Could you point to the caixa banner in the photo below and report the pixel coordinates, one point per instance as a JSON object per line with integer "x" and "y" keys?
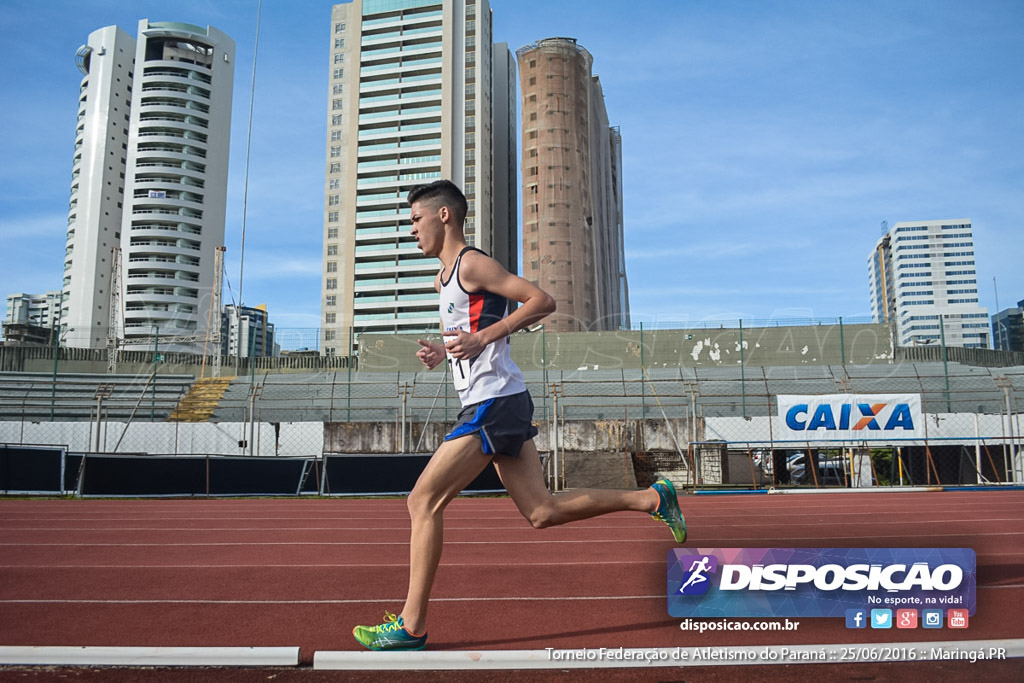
{"x": 817, "y": 582}
{"x": 860, "y": 417}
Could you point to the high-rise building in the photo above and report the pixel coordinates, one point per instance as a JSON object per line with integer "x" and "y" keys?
{"x": 924, "y": 284}
{"x": 150, "y": 178}
{"x": 33, "y": 309}
{"x": 572, "y": 189}
{"x": 411, "y": 99}
{"x": 31, "y": 319}
{"x": 1008, "y": 329}
{"x": 246, "y": 331}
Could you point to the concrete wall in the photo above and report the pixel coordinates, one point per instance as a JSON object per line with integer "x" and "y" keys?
{"x": 861, "y": 344}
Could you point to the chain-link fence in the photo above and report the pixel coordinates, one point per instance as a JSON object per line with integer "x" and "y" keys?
{"x": 709, "y": 405}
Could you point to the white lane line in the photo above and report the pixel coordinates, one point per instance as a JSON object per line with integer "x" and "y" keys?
{"x": 610, "y": 658}
{"x": 344, "y": 565}
{"x": 726, "y": 542}
{"x": 353, "y": 601}
{"x": 522, "y": 526}
{"x": 744, "y": 513}
{"x": 339, "y": 601}
{"x": 149, "y": 656}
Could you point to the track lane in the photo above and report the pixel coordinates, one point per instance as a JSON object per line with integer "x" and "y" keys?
{"x": 142, "y": 572}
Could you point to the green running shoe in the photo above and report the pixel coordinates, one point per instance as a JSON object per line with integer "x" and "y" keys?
{"x": 391, "y": 635}
{"x": 668, "y": 509}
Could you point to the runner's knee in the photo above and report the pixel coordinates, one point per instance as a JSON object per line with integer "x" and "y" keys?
{"x": 420, "y": 503}
{"x": 542, "y": 516}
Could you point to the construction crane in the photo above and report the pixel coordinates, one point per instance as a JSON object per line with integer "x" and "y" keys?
{"x": 213, "y": 330}
{"x": 114, "y": 305}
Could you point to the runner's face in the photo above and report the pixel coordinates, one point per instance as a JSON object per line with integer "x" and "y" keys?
{"x": 428, "y": 227}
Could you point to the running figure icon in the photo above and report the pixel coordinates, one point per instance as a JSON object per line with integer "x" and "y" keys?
{"x": 697, "y": 571}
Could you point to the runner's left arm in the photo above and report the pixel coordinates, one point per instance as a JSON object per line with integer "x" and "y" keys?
{"x": 482, "y": 273}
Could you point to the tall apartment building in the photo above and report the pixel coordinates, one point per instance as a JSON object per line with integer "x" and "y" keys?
{"x": 33, "y": 309}
{"x": 411, "y": 98}
{"x": 1008, "y": 329}
{"x": 149, "y": 177}
{"x": 246, "y": 331}
{"x": 572, "y": 189}
{"x": 924, "y": 284}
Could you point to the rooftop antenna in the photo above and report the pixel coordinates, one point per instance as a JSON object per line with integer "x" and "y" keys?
{"x": 996, "y": 289}
{"x": 248, "y": 143}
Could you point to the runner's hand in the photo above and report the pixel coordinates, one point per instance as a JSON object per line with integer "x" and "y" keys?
{"x": 431, "y": 354}
{"x": 463, "y": 345}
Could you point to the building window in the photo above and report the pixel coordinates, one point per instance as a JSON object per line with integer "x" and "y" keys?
{"x": 339, "y": 73}
{"x": 332, "y": 249}
{"x": 335, "y": 166}
{"x": 328, "y": 335}
{"x": 337, "y": 104}
{"x": 339, "y": 27}
{"x": 339, "y": 58}
{"x": 333, "y": 200}
{"x": 336, "y": 119}
{"x": 335, "y": 152}
{"x": 335, "y": 135}
{"x": 332, "y": 266}
{"x": 335, "y": 183}
{"x": 332, "y": 283}
{"x": 339, "y": 43}
{"x": 332, "y": 217}
{"x": 332, "y": 299}
{"x": 338, "y": 88}
{"x": 332, "y": 233}
{"x": 331, "y": 318}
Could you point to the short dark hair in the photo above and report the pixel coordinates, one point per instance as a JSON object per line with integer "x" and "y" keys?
{"x": 441, "y": 193}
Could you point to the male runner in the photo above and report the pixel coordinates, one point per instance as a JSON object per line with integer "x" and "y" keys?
{"x": 495, "y": 423}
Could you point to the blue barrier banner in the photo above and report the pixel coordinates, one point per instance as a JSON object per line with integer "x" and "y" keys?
{"x": 818, "y": 582}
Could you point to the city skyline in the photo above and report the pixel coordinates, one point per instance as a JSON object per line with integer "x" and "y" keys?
{"x": 763, "y": 147}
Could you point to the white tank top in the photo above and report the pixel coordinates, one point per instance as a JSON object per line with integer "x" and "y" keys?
{"x": 492, "y": 373}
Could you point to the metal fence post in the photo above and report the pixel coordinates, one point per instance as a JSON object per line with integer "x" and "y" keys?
{"x": 643, "y": 388}
{"x": 842, "y": 342}
{"x": 743, "y": 372}
{"x": 945, "y": 365}
{"x": 156, "y": 358}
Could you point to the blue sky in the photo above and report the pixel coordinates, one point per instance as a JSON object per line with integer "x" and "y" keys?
{"x": 763, "y": 142}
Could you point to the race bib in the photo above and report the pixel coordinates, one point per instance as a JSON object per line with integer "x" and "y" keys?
{"x": 460, "y": 368}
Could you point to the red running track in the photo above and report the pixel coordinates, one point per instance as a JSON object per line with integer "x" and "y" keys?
{"x": 304, "y": 571}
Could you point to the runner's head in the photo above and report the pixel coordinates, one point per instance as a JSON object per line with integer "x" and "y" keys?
{"x": 441, "y": 193}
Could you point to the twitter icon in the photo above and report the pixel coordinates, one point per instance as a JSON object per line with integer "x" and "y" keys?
{"x": 881, "y": 618}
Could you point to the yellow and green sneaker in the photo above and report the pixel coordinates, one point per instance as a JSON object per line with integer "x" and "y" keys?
{"x": 391, "y": 635}
{"x": 668, "y": 509}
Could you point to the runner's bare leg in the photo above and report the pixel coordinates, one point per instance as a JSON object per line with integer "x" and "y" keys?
{"x": 452, "y": 468}
{"x": 523, "y": 478}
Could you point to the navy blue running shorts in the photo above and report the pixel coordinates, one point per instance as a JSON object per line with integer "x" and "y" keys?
{"x": 502, "y": 424}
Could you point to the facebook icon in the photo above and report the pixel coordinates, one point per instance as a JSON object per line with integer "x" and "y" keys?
{"x": 856, "y": 618}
